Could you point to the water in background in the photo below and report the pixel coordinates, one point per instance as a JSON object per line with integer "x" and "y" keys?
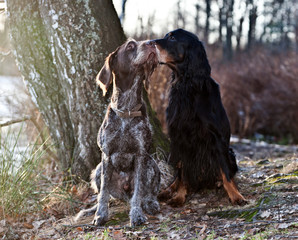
{"x": 12, "y": 97}
{"x": 11, "y": 91}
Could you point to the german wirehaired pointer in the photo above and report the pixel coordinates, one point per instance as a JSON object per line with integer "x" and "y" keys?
{"x": 126, "y": 171}
{"x": 198, "y": 126}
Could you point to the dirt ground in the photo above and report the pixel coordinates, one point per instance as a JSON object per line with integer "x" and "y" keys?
{"x": 268, "y": 178}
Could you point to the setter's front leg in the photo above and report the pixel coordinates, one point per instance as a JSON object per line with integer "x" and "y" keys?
{"x": 234, "y": 195}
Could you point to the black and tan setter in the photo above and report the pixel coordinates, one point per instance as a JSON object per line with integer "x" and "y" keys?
{"x": 198, "y": 126}
{"x": 126, "y": 171}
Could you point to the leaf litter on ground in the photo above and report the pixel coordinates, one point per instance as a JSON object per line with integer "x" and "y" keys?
{"x": 267, "y": 178}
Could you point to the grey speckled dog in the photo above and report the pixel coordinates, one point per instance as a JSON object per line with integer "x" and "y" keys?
{"x": 126, "y": 171}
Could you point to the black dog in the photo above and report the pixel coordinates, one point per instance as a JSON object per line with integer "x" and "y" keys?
{"x": 198, "y": 126}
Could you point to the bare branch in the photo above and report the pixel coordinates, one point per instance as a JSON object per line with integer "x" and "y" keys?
{"x": 26, "y": 118}
{"x": 39, "y": 129}
{"x": 5, "y": 54}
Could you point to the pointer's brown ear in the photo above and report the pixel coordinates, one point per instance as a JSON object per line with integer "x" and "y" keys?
{"x": 105, "y": 75}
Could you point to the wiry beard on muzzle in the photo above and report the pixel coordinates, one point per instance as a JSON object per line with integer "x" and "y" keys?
{"x": 148, "y": 70}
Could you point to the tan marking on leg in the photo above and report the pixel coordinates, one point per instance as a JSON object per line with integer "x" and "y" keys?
{"x": 180, "y": 196}
{"x": 232, "y": 190}
{"x": 169, "y": 191}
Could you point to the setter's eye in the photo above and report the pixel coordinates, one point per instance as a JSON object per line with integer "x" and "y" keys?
{"x": 172, "y": 38}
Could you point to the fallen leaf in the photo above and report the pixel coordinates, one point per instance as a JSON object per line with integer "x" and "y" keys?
{"x": 10, "y": 219}
{"x": 173, "y": 236}
{"x": 203, "y": 229}
{"x": 28, "y": 225}
{"x": 79, "y": 229}
{"x": 265, "y": 214}
{"x": 283, "y": 225}
{"x": 204, "y": 218}
{"x": 187, "y": 211}
{"x": 47, "y": 234}
{"x": 74, "y": 190}
{"x": 151, "y": 218}
{"x": 2, "y": 223}
{"x": 37, "y": 224}
{"x": 253, "y": 231}
{"x": 54, "y": 212}
{"x": 118, "y": 235}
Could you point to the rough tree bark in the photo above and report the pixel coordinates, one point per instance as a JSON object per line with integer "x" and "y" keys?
{"x": 60, "y": 46}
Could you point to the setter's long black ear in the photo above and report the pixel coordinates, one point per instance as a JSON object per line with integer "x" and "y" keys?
{"x": 105, "y": 75}
{"x": 198, "y": 61}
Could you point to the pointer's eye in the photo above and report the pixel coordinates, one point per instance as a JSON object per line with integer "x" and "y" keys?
{"x": 131, "y": 46}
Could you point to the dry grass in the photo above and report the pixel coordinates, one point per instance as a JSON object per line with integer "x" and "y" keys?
{"x": 19, "y": 175}
{"x": 259, "y": 91}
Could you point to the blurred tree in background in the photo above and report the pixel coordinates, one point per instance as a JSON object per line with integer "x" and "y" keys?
{"x": 252, "y": 46}
{"x": 233, "y": 24}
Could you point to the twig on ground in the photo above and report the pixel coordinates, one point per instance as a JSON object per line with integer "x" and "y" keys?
{"x": 96, "y": 227}
{"x": 203, "y": 229}
{"x": 81, "y": 225}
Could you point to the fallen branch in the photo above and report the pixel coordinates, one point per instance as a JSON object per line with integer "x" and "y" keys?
{"x": 18, "y": 120}
{"x": 81, "y": 226}
{"x": 97, "y": 227}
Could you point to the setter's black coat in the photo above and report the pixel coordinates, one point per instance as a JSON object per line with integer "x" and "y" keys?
{"x": 198, "y": 126}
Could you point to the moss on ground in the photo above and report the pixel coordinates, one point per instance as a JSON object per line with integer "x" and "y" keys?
{"x": 249, "y": 214}
{"x": 118, "y": 218}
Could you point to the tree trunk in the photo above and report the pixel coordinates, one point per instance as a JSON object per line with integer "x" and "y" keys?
{"x": 122, "y": 16}
{"x": 207, "y": 23}
{"x": 60, "y": 46}
{"x": 228, "y": 49}
{"x": 197, "y": 24}
{"x": 296, "y": 30}
{"x": 252, "y": 26}
{"x": 239, "y": 33}
{"x": 221, "y": 21}
{"x": 179, "y": 19}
